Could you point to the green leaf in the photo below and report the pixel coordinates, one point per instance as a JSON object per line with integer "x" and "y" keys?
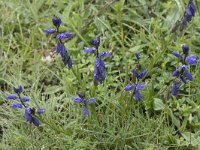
{"x": 158, "y": 104}
{"x": 53, "y": 89}
{"x": 175, "y": 121}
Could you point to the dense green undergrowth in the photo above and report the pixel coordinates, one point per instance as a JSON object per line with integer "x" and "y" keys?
{"x": 115, "y": 121}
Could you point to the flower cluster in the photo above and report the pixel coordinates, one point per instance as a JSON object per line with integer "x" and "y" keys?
{"x": 60, "y": 37}
{"x": 137, "y": 86}
{"x": 99, "y": 67}
{"x": 189, "y": 13}
{"x": 29, "y": 113}
{"x": 81, "y": 100}
{"x": 181, "y": 73}
{"x": 190, "y": 60}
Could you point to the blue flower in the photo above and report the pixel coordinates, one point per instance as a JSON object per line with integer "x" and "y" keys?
{"x": 96, "y": 42}
{"x": 191, "y": 60}
{"x": 11, "y": 97}
{"x": 81, "y": 99}
{"x": 60, "y": 48}
{"x": 177, "y": 55}
{"x": 25, "y": 99}
{"x": 16, "y": 105}
{"x": 136, "y": 92}
{"x": 18, "y": 90}
{"x": 60, "y": 37}
{"x": 49, "y": 31}
{"x": 182, "y": 74}
{"x": 189, "y": 13}
{"x": 29, "y": 115}
{"x": 137, "y": 55}
{"x": 139, "y": 75}
{"x": 99, "y": 66}
{"x": 175, "y": 88}
{"x": 56, "y": 21}
{"x": 185, "y": 49}
{"x": 89, "y": 50}
{"x": 63, "y": 36}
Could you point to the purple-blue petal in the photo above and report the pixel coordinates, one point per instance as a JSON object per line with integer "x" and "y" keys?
{"x": 63, "y": 36}
{"x": 183, "y": 68}
{"x": 25, "y": 99}
{"x": 140, "y": 86}
{"x": 143, "y": 74}
{"x": 56, "y": 21}
{"x": 69, "y": 63}
{"x": 192, "y": 8}
{"x": 16, "y": 105}
{"x": 35, "y": 121}
{"x": 188, "y": 76}
{"x": 106, "y": 54}
{"x": 183, "y": 79}
{"x": 96, "y": 42}
{"x": 91, "y": 100}
{"x": 137, "y": 55}
{"x": 85, "y": 111}
{"x": 78, "y": 100}
{"x": 185, "y": 49}
{"x": 176, "y": 73}
{"x": 11, "y": 97}
{"x": 27, "y": 114}
{"x": 177, "y": 55}
{"x": 137, "y": 96}
{"x": 129, "y": 87}
{"x": 137, "y": 74}
{"x": 40, "y": 111}
{"x": 191, "y": 60}
{"x": 58, "y": 48}
{"x": 49, "y": 31}
{"x": 18, "y": 90}
{"x": 175, "y": 88}
{"x": 89, "y": 50}
{"x": 63, "y": 51}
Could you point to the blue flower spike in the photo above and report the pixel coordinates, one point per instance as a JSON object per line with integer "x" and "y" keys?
{"x": 189, "y": 13}
{"x": 29, "y": 113}
{"x": 136, "y": 90}
{"x": 182, "y": 74}
{"x": 81, "y": 100}
{"x": 61, "y": 37}
{"x": 99, "y": 66}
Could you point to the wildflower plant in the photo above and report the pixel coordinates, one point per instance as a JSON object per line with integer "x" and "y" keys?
{"x": 184, "y": 58}
{"x": 181, "y": 73}
{"x": 29, "y": 113}
{"x": 82, "y": 100}
{"x": 137, "y": 86}
{"x": 99, "y": 66}
{"x": 60, "y": 37}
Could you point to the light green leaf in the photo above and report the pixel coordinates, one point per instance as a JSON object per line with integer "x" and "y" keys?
{"x": 158, "y": 104}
